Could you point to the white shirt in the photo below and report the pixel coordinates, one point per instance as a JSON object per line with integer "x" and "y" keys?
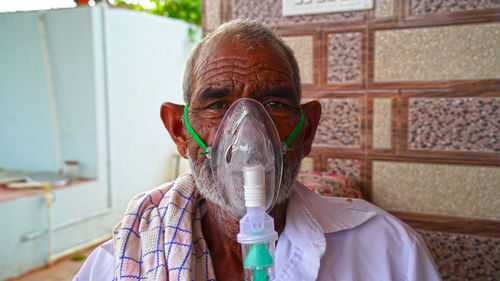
{"x": 326, "y": 238}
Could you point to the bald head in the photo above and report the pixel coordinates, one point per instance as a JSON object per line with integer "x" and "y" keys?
{"x": 249, "y": 34}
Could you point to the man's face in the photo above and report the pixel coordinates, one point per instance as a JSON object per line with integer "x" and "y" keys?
{"x": 227, "y": 71}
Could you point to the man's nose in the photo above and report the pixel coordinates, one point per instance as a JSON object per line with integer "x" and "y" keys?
{"x": 249, "y": 91}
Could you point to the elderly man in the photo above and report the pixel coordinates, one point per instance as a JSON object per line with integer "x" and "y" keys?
{"x": 182, "y": 230}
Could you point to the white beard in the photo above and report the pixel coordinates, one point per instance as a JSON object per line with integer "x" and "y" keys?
{"x": 203, "y": 177}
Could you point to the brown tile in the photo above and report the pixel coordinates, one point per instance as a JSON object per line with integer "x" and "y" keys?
{"x": 464, "y": 257}
{"x": 211, "y": 18}
{"x": 382, "y": 123}
{"x": 346, "y": 167}
{"x": 429, "y": 7}
{"x": 455, "y": 52}
{"x": 302, "y": 47}
{"x": 454, "y": 124}
{"x": 344, "y": 58}
{"x": 307, "y": 164}
{"x": 454, "y": 190}
{"x": 384, "y": 8}
{"x": 340, "y": 123}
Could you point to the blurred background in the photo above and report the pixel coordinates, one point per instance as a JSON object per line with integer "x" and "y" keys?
{"x": 80, "y": 94}
{"x": 410, "y": 91}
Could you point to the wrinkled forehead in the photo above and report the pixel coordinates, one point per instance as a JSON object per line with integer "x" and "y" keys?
{"x": 217, "y": 46}
{"x": 242, "y": 61}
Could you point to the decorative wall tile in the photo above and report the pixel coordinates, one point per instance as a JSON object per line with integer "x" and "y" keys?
{"x": 463, "y": 257}
{"x": 454, "y": 124}
{"x": 455, "y": 190}
{"x": 302, "y": 47}
{"x": 346, "y": 167}
{"x": 429, "y": 7}
{"x": 384, "y": 8}
{"x": 382, "y": 122}
{"x": 307, "y": 164}
{"x": 344, "y": 58}
{"x": 212, "y": 14}
{"x": 340, "y": 123}
{"x": 269, "y": 13}
{"x": 438, "y": 53}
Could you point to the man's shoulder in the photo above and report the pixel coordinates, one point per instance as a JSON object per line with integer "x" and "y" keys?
{"x": 387, "y": 225}
{"x": 363, "y": 235}
{"x": 336, "y": 214}
{"x": 183, "y": 182}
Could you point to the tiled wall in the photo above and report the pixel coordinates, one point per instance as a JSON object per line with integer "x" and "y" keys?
{"x": 340, "y": 123}
{"x": 384, "y": 8}
{"x": 269, "y": 13}
{"x": 463, "y": 257}
{"x": 456, "y": 190}
{"x": 457, "y": 52}
{"x": 454, "y": 124}
{"x": 410, "y": 92}
{"x": 346, "y": 167}
{"x": 382, "y": 123}
{"x": 212, "y": 14}
{"x": 344, "y": 58}
{"x": 430, "y": 7}
{"x": 303, "y": 49}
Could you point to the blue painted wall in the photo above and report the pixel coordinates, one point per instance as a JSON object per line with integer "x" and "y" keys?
{"x": 27, "y": 133}
{"x": 111, "y": 71}
{"x": 71, "y": 40}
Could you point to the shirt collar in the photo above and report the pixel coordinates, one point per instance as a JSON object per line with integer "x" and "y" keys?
{"x": 309, "y": 216}
{"x": 332, "y": 214}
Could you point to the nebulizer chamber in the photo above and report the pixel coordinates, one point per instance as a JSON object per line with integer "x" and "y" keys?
{"x": 257, "y": 235}
{"x": 246, "y": 160}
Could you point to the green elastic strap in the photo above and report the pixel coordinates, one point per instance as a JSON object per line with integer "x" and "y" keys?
{"x": 198, "y": 140}
{"x": 295, "y": 132}
{"x": 193, "y": 133}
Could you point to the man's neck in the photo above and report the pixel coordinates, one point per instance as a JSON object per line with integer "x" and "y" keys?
{"x": 220, "y": 230}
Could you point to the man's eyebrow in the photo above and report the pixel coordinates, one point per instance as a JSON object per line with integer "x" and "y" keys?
{"x": 282, "y": 93}
{"x": 210, "y": 94}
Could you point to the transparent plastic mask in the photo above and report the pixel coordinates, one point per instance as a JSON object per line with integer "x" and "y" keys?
{"x": 246, "y": 137}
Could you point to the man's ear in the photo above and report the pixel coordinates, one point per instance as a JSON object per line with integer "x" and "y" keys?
{"x": 312, "y": 114}
{"x": 171, "y": 115}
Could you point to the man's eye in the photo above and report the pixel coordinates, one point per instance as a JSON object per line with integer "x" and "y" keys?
{"x": 274, "y": 104}
{"x": 217, "y": 105}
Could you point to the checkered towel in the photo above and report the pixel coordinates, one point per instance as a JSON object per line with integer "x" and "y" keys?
{"x": 160, "y": 236}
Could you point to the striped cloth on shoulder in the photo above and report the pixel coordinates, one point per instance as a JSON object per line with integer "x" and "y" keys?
{"x": 160, "y": 236}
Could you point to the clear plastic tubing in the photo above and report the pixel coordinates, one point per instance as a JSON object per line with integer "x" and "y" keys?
{"x": 257, "y": 235}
